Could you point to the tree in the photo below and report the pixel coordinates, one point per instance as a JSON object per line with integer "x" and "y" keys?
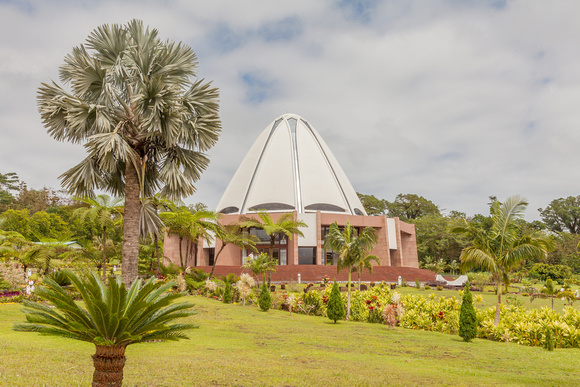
{"x": 373, "y": 205}
{"x": 411, "y": 206}
{"x": 143, "y": 118}
{"x": 265, "y": 300}
{"x": 112, "y": 318}
{"x": 467, "y": 316}
{"x": 189, "y": 227}
{"x": 434, "y": 240}
{"x": 364, "y": 262}
{"x": 104, "y": 210}
{"x": 284, "y": 225}
{"x": 335, "y": 308}
{"x": 260, "y": 265}
{"x": 351, "y": 247}
{"x": 233, "y": 234}
{"x": 45, "y": 225}
{"x": 8, "y": 182}
{"x": 502, "y": 247}
{"x": 150, "y": 223}
{"x": 562, "y": 215}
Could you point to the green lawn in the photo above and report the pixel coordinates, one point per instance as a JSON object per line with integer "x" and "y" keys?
{"x": 241, "y": 346}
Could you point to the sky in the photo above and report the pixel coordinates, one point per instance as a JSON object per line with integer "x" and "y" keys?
{"x": 453, "y": 100}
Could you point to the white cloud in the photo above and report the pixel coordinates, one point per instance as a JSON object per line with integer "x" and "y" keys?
{"x": 452, "y": 100}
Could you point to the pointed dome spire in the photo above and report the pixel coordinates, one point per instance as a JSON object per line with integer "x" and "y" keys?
{"x": 290, "y": 168}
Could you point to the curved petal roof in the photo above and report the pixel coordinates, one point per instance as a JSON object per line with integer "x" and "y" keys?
{"x": 290, "y": 168}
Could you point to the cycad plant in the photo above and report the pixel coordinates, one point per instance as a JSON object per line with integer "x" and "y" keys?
{"x": 112, "y": 318}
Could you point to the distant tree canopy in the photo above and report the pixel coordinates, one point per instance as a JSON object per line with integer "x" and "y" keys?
{"x": 405, "y": 206}
{"x": 562, "y": 215}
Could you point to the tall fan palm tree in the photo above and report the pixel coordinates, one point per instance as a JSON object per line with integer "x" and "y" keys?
{"x": 233, "y": 234}
{"x": 502, "y": 247}
{"x": 144, "y": 119}
{"x": 284, "y": 225}
{"x": 352, "y": 249}
{"x": 190, "y": 227}
{"x": 105, "y": 210}
{"x": 112, "y": 318}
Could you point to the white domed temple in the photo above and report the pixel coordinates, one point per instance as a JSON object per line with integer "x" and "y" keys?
{"x": 289, "y": 168}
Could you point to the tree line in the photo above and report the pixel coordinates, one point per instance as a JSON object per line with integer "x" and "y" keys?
{"x": 439, "y": 249}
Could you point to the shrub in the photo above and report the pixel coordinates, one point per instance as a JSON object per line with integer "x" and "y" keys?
{"x": 228, "y": 293}
{"x": 439, "y": 287}
{"x": 335, "y": 309}
{"x": 427, "y": 287}
{"x": 312, "y": 302}
{"x": 265, "y": 300}
{"x": 543, "y": 271}
{"x": 467, "y": 317}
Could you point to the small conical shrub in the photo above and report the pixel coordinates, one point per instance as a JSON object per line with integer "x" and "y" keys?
{"x": 265, "y": 300}
{"x": 335, "y": 309}
{"x": 549, "y": 340}
{"x": 228, "y": 293}
{"x": 467, "y": 317}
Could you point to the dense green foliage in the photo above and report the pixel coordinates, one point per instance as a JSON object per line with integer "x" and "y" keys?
{"x": 265, "y": 300}
{"x": 543, "y": 271}
{"x": 467, "y": 316}
{"x": 335, "y": 309}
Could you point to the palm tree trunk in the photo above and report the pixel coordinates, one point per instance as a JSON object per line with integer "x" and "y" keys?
{"x": 130, "y": 264}
{"x": 348, "y": 298}
{"x": 498, "y": 306}
{"x": 156, "y": 242}
{"x": 359, "y": 271}
{"x": 104, "y": 252}
{"x": 109, "y": 362}
{"x": 181, "y": 252}
{"x": 215, "y": 260}
{"x": 271, "y": 253}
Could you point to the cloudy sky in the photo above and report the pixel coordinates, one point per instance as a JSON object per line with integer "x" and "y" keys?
{"x": 449, "y": 99}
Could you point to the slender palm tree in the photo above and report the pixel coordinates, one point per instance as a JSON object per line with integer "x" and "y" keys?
{"x": 283, "y": 225}
{"x": 260, "y": 265}
{"x": 352, "y": 248}
{"x": 144, "y": 119}
{"x": 190, "y": 227}
{"x": 233, "y": 234}
{"x": 104, "y": 210}
{"x": 112, "y": 318}
{"x": 150, "y": 223}
{"x": 363, "y": 262}
{"x": 502, "y": 247}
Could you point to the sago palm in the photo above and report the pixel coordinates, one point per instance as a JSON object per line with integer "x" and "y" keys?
{"x": 143, "y": 117}
{"x": 352, "y": 248}
{"x": 111, "y": 317}
{"x": 502, "y": 247}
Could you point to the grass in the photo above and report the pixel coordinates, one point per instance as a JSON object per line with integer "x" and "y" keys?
{"x": 241, "y": 346}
